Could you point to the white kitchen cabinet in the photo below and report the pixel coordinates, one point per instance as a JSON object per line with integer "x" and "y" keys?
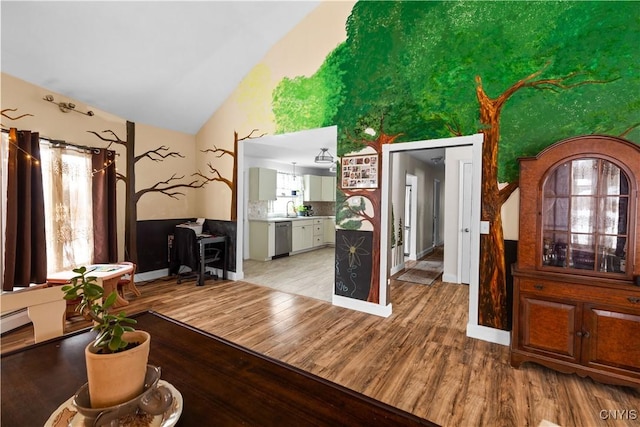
{"x": 318, "y": 232}
{"x": 262, "y": 184}
{"x": 262, "y": 237}
{"x": 319, "y": 188}
{"x": 301, "y": 235}
{"x": 328, "y": 188}
{"x": 312, "y": 188}
{"x": 329, "y": 231}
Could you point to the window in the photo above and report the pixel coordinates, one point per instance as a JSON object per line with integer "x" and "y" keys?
{"x": 66, "y": 177}
{"x": 288, "y": 193}
{"x": 585, "y": 211}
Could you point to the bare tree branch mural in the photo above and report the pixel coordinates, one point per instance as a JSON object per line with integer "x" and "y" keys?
{"x": 214, "y": 174}
{"x": 167, "y": 187}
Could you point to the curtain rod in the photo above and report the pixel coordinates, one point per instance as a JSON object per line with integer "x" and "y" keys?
{"x": 59, "y": 143}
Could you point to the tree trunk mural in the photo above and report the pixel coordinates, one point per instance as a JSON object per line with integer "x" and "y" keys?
{"x": 132, "y": 196}
{"x": 493, "y": 292}
{"x": 232, "y": 182}
{"x": 373, "y": 196}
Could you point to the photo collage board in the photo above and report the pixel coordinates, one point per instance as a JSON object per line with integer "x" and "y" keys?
{"x": 360, "y": 171}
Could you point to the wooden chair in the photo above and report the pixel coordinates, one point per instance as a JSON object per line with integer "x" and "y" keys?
{"x": 45, "y": 307}
{"x": 128, "y": 283}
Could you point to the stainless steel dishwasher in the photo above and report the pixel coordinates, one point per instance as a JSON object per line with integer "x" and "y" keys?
{"x": 283, "y": 239}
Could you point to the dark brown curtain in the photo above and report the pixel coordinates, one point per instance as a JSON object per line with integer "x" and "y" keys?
{"x": 25, "y": 258}
{"x": 105, "y": 244}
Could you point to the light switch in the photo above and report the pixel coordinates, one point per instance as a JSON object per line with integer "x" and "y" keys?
{"x": 484, "y": 227}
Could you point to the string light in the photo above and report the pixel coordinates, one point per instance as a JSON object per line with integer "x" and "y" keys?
{"x": 62, "y": 144}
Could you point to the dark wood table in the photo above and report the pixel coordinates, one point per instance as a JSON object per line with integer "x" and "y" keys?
{"x": 222, "y": 384}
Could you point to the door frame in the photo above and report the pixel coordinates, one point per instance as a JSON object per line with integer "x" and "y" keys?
{"x": 474, "y": 330}
{"x": 411, "y": 181}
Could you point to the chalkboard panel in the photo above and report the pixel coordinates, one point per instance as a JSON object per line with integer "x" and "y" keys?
{"x": 353, "y": 263}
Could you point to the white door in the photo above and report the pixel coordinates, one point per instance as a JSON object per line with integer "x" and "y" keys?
{"x": 407, "y": 219}
{"x": 465, "y": 223}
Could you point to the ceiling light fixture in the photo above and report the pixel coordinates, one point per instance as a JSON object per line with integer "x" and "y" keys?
{"x": 294, "y": 170}
{"x": 324, "y": 156}
{"x": 436, "y": 160}
{"x": 65, "y": 107}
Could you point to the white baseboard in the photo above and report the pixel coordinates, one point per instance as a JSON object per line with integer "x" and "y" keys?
{"x": 364, "y": 306}
{"x": 157, "y": 274}
{"x": 450, "y": 278}
{"x": 425, "y": 252}
{"x": 396, "y": 269}
{"x": 14, "y": 320}
{"x": 485, "y": 333}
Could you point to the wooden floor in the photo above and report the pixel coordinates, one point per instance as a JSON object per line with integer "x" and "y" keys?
{"x": 418, "y": 359}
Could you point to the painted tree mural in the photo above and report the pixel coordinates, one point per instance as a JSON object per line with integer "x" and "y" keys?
{"x": 168, "y": 187}
{"x": 356, "y": 205}
{"x": 441, "y": 69}
{"x": 215, "y": 176}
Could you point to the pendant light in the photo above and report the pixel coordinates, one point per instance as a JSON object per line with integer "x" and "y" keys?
{"x": 324, "y": 156}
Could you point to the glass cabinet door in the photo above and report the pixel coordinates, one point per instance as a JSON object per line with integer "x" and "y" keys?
{"x": 585, "y": 216}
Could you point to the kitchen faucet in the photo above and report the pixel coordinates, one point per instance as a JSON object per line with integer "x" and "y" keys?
{"x": 292, "y": 207}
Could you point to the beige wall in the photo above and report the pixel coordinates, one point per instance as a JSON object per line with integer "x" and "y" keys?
{"x": 51, "y": 123}
{"x": 301, "y": 52}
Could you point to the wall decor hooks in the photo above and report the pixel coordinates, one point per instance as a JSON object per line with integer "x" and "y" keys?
{"x": 65, "y": 107}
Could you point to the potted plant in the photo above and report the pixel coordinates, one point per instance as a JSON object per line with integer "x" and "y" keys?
{"x": 117, "y": 358}
{"x": 301, "y": 210}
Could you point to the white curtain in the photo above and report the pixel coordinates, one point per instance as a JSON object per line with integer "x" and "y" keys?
{"x": 66, "y": 175}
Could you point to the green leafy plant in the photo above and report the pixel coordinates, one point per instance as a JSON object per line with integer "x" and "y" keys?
{"x": 110, "y": 327}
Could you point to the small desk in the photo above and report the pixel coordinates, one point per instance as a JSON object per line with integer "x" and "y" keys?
{"x": 221, "y": 383}
{"x": 108, "y": 276}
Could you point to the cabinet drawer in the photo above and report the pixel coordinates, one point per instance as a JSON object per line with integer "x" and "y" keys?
{"x": 318, "y": 241}
{"x": 318, "y": 221}
{"x": 620, "y": 297}
{"x": 317, "y": 230}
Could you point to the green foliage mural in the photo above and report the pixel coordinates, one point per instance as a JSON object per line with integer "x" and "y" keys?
{"x": 526, "y": 74}
{"x": 416, "y": 62}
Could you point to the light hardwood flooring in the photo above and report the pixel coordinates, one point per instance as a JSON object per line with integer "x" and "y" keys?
{"x": 418, "y": 359}
{"x": 310, "y": 274}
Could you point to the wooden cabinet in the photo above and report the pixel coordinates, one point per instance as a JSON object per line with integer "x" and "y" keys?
{"x": 262, "y": 184}
{"x": 576, "y": 308}
{"x": 302, "y": 235}
{"x": 261, "y": 240}
{"x": 330, "y": 231}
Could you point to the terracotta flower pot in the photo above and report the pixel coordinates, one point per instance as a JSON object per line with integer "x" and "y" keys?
{"x": 117, "y": 377}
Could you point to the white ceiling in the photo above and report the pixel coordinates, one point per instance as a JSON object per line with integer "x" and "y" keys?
{"x": 169, "y": 64}
{"x": 300, "y": 147}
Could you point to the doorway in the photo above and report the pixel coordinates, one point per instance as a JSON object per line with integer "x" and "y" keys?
{"x": 473, "y": 145}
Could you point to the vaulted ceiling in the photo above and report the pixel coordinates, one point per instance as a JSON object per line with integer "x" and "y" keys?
{"x": 169, "y": 64}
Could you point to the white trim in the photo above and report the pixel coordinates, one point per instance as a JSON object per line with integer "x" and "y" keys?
{"x": 425, "y": 251}
{"x": 14, "y": 320}
{"x": 449, "y": 278}
{"x": 476, "y": 141}
{"x": 359, "y": 305}
{"x": 396, "y": 269}
{"x": 485, "y": 333}
{"x": 164, "y": 272}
